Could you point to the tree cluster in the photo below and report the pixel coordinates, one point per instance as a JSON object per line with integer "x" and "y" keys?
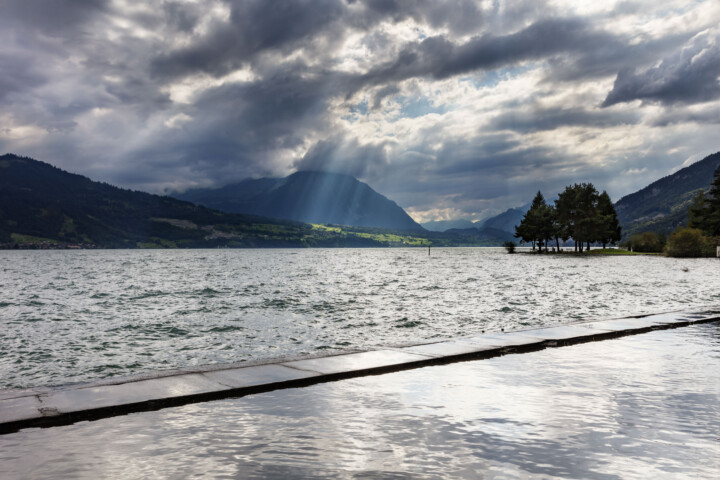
{"x": 705, "y": 211}
{"x": 580, "y": 213}
{"x": 646, "y": 242}
{"x": 703, "y": 232}
{"x": 689, "y": 242}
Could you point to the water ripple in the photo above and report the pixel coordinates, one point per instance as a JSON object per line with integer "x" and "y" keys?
{"x": 191, "y": 307}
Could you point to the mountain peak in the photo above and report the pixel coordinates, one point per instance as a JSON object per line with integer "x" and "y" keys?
{"x": 308, "y": 196}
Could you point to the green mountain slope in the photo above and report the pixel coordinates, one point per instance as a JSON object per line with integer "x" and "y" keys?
{"x": 663, "y": 205}
{"x": 42, "y": 206}
{"x": 38, "y": 200}
{"x": 313, "y": 197}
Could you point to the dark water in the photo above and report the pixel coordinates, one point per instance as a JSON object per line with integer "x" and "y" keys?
{"x": 69, "y": 316}
{"x": 640, "y": 407}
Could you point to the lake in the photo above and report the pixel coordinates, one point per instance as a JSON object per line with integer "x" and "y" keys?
{"x": 71, "y": 316}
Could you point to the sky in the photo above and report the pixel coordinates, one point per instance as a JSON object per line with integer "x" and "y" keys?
{"x": 454, "y": 109}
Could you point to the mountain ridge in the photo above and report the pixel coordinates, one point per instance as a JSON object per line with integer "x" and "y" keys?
{"x": 445, "y": 225}
{"x": 45, "y": 207}
{"x": 663, "y": 205}
{"x": 40, "y": 200}
{"x": 307, "y": 196}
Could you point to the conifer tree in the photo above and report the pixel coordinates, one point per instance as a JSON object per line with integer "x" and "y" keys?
{"x": 565, "y": 207}
{"x": 705, "y": 212}
{"x": 537, "y": 224}
{"x": 609, "y": 226}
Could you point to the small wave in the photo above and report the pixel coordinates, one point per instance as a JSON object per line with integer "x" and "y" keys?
{"x": 226, "y": 328}
{"x": 107, "y": 369}
{"x": 405, "y": 323}
{"x": 324, "y": 307}
{"x": 150, "y": 294}
{"x": 208, "y": 292}
{"x": 279, "y": 303}
{"x": 185, "y": 312}
{"x": 168, "y": 330}
{"x": 359, "y": 325}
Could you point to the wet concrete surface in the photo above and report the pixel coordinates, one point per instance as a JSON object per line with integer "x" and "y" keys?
{"x": 639, "y": 407}
{"x": 46, "y": 407}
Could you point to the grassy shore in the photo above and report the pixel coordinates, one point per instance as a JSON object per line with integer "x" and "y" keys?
{"x": 616, "y": 251}
{"x": 599, "y": 251}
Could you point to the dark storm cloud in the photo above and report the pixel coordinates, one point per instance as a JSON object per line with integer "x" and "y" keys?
{"x": 707, "y": 116}
{"x": 255, "y": 26}
{"x": 235, "y": 129}
{"x": 458, "y": 17}
{"x": 182, "y": 16}
{"x": 610, "y": 56}
{"x": 106, "y": 81}
{"x": 18, "y": 75}
{"x": 542, "y": 119}
{"x": 688, "y": 76}
{"x": 384, "y": 92}
{"x": 477, "y": 171}
{"x": 51, "y": 17}
{"x": 499, "y": 155}
{"x": 439, "y": 58}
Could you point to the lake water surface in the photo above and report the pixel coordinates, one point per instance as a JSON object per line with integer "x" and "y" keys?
{"x": 69, "y": 316}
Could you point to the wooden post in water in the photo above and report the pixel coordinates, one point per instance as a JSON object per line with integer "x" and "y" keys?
{"x": 429, "y": 251}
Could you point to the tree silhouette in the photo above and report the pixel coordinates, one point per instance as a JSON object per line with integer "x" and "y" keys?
{"x": 579, "y": 213}
{"x": 705, "y": 211}
{"x": 537, "y": 226}
{"x": 609, "y": 226}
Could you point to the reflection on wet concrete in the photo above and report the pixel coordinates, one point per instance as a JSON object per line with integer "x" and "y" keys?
{"x": 646, "y": 406}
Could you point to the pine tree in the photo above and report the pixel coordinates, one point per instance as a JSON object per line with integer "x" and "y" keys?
{"x": 609, "y": 226}
{"x": 705, "y": 212}
{"x": 566, "y": 212}
{"x": 587, "y": 226}
{"x": 537, "y": 224}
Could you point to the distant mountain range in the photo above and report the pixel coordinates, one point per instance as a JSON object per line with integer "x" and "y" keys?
{"x": 42, "y": 206}
{"x": 306, "y": 196}
{"x": 500, "y": 226}
{"x": 507, "y": 220}
{"x": 482, "y": 234}
{"x": 443, "y": 225}
{"x": 663, "y": 205}
{"x": 660, "y": 207}
{"x": 40, "y": 203}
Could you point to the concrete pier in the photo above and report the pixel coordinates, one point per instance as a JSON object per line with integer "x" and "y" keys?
{"x": 52, "y": 406}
